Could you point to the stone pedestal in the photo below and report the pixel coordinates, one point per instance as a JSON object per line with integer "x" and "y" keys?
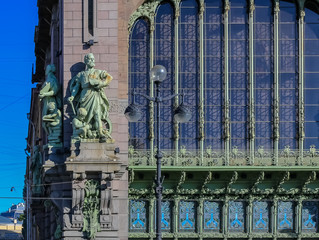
{"x": 98, "y": 162}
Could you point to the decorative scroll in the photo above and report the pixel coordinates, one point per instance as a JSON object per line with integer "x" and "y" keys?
{"x": 212, "y": 216}
{"x": 187, "y": 216}
{"x": 236, "y": 216}
{"x": 138, "y": 219}
{"x": 309, "y": 217}
{"x": 261, "y": 216}
{"x": 285, "y": 216}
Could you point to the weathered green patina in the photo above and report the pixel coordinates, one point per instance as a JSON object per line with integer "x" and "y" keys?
{"x": 91, "y": 209}
{"x": 51, "y": 115}
{"x": 87, "y": 92}
{"x": 52, "y": 124}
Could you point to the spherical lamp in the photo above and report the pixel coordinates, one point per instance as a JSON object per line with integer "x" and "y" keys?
{"x": 158, "y": 73}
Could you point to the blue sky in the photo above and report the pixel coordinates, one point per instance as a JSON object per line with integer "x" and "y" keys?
{"x": 17, "y": 22}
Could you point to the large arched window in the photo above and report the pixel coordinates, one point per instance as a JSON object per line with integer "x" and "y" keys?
{"x": 248, "y": 71}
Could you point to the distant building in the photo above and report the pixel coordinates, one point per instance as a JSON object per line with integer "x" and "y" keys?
{"x": 10, "y": 226}
{"x": 14, "y": 211}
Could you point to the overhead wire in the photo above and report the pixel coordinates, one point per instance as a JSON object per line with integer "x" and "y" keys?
{"x": 14, "y": 102}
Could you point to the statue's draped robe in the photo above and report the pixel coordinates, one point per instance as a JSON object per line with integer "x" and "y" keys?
{"x": 90, "y": 96}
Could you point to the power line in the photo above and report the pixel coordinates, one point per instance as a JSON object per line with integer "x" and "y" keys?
{"x": 9, "y": 104}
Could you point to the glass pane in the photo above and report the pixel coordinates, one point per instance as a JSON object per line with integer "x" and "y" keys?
{"x": 310, "y": 216}
{"x": 236, "y": 216}
{"x": 285, "y": 216}
{"x": 263, "y": 14}
{"x": 187, "y": 216}
{"x": 212, "y": 216}
{"x": 287, "y": 12}
{"x": 138, "y": 216}
{"x": 166, "y": 216}
{"x": 311, "y": 80}
{"x": 261, "y": 217}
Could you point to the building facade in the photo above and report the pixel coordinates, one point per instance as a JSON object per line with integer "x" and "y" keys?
{"x": 244, "y": 167}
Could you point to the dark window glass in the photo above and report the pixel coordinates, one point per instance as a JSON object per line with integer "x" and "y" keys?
{"x": 311, "y": 86}
{"x": 288, "y": 82}
{"x": 138, "y": 75}
{"x": 263, "y": 77}
{"x": 213, "y": 75}
{"x": 239, "y": 98}
{"x": 164, "y": 55}
{"x": 189, "y": 70}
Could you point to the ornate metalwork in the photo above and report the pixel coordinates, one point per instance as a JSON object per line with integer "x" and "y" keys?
{"x": 146, "y": 10}
{"x": 138, "y": 217}
{"x": 261, "y": 216}
{"x": 184, "y": 157}
{"x": 211, "y": 219}
{"x": 187, "y": 216}
{"x": 285, "y": 216}
{"x": 309, "y": 216}
{"x": 236, "y": 216}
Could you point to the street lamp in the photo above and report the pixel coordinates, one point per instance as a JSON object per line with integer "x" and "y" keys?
{"x": 181, "y": 114}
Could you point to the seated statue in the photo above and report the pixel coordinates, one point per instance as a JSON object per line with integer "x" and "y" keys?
{"x": 80, "y": 128}
{"x": 52, "y": 123}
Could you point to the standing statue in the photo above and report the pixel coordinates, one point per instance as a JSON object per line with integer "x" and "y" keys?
{"x": 51, "y": 115}
{"x": 52, "y": 123}
{"x": 87, "y": 91}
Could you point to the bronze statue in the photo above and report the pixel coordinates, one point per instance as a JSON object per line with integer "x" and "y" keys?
{"x": 87, "y": 91}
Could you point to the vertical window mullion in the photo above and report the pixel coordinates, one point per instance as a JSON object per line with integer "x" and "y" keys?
{"x": 176, "y": 101}
{"x": 151, "y": 94}
{"x": 201, "y": 82}
{"x": 251, "y": 84}
{"x": 226, "y": 82}
{"x": 276, "y": 83}
{"x": 151, "y": 218}
{"x": 299, "y": 216}
{"x": 301, "y": 104}
{"x": 274, "y": 215}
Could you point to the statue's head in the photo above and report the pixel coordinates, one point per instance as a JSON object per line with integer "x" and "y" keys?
{"x": 89, "y": 60}
{"x": 82, "y": 113}
{"x": 50, "y": 68}
{"x": 51, "y": 107}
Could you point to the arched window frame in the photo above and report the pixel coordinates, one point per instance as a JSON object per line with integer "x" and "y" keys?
{"x": 148, "y": 10}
